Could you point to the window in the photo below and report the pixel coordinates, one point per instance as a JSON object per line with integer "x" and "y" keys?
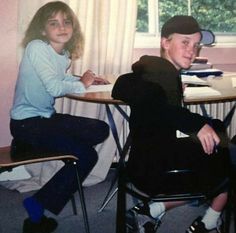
{"x": 217, "y": 15}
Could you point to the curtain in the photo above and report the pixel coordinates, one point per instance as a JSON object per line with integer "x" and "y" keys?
{"x": 109, "y": 29}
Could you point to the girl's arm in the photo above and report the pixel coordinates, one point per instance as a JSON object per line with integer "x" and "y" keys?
{"x": 51, "y": 73}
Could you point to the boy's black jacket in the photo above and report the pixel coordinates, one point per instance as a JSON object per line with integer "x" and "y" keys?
{"x": 154, "y": 92}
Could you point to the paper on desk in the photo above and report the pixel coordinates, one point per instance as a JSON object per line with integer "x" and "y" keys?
{"x": 191, "y": 92}
{"x": 234, "y": 82}
{"x": 99, "y": 88}
{"x": 193, "y": 79}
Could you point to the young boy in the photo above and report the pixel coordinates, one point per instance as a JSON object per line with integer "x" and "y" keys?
{"x": 154, "y": 92}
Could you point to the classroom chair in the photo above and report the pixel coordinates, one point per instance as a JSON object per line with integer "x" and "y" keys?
{"x": 7, "y": 163}
{"x": 186, "y": 188}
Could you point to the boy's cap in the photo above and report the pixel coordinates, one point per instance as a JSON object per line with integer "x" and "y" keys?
{"x": 184, "y": 24}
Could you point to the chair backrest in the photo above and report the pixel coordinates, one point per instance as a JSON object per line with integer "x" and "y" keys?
{"x": 179, "y": 191}
{"x": 8, "y": 162}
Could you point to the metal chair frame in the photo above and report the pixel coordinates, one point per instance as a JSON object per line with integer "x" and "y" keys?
{"x": 7, "y": 163}
{"x": 126, "y": 187}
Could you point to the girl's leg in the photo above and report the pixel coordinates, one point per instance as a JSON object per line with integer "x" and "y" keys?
{"x": 81, "y": 129}
{"x": 59, "y": 189}
{"x": 62, "y": 134}
{"x": 36, "y": 131}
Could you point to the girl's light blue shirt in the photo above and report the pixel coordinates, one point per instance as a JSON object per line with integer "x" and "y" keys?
{"x": 42, "y": 77}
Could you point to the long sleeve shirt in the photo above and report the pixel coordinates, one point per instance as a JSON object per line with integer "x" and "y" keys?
{"x": 42, "y": 77}
{"x": 154, "y": 93}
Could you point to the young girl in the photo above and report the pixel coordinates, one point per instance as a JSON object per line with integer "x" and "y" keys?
{"x": 51, "y": 40}
{"x": 154, "y": 92}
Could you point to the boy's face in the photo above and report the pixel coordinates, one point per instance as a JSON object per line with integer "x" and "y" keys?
{"x": 181, "y": 49}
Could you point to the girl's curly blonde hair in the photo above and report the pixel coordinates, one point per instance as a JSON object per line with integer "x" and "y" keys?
{"x": 37, "y": 25}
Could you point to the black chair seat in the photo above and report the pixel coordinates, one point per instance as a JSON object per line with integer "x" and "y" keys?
{"x": 181, "y": 185}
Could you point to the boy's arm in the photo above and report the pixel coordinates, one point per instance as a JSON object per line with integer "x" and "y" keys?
{"x": 131, "y": 89}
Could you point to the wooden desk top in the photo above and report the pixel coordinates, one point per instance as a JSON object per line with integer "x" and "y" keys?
{"x": 98, "y": 97}
{"x": 222, "y": 84}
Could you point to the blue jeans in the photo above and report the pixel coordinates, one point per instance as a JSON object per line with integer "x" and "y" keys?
{"x": 62, "y": 133}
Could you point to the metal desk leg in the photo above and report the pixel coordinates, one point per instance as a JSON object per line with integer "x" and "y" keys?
{"x": 122, "y": 152}
{"x": 204, "y": 111}
{"x": 228, "y": 118}
{"x": 109, "y": 196}
{"x": 107, "y": 199}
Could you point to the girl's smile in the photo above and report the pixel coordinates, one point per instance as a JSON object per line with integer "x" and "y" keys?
{"x": 58, "y": 31}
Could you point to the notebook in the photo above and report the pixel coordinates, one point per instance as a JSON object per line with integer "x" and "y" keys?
{"x": 192, "y": 92}
{"x": 99, "y": 88}
{"x": 193, "y": 80}
{"x": 234, "y": 82}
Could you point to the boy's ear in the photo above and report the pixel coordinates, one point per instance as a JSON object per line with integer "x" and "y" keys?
{"x": 164, "y": 42}
{"x": 43, "y": 33}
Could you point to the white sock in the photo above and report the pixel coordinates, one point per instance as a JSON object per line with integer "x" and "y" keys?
{"x": 157, "y": 209}
{"x": 210, "y": 218}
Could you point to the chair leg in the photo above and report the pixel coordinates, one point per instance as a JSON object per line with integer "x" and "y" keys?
{"x": 228, "y": 212}
{"x": 234, "y": 213}
{"x": 74, "y": 205}
{"x": 82, "y": 199}
{"x": 121, "y": 206}
{"x": 234, "y": 209}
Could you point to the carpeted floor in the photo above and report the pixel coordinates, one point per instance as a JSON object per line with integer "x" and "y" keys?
{"x": 12, "y": 213}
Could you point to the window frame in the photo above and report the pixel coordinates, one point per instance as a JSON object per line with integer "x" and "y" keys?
{"x": 151, "y": 39}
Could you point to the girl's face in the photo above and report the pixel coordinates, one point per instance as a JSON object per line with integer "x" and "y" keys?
{"x": 58, "y": 31}
{"x": 180, "y": 49}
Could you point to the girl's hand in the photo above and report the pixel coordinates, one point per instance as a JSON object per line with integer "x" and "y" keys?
{"x": 100, "y": 81}
{"x": 208, "y": 138}
{"x": 88, "y": 78}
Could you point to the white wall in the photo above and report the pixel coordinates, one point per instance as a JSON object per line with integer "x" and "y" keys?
{"x": 8, "y": 64}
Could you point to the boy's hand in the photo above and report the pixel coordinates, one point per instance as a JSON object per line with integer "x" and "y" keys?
{"x": 208, "y": 138}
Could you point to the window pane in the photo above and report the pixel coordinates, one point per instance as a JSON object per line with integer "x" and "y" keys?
{"x": 217, "y": 15}
{"x": 169, "y": 8}
{"x": 142, "y": 18}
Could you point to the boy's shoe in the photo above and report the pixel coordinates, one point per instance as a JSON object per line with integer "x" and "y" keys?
{"x": 199, "y": 227}
{"x": 139, "y": 220}
{"x": 46, "y": 225}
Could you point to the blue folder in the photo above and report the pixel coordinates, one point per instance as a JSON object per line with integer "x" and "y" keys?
{"x": 203, "y": 73}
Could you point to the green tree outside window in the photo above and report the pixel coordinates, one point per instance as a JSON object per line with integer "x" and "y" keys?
{"x": 218, "y": 15}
